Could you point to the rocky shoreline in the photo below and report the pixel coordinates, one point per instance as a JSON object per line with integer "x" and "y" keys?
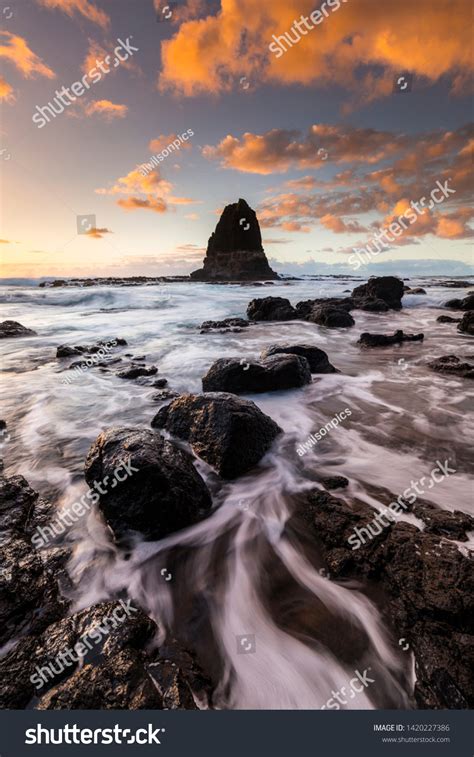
{"x": 421, "y": 580}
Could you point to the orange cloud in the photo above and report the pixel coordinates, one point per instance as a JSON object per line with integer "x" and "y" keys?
{"x": 165, "y": 140}
{"x": 156, "y": 190}
{"x": 16, "y": 50}
{"x": 211, "y": 54}
{"x": 83, "y": 7}
{"x": 6, "y": 90}
{"x": 98, "y": 233}
{"x": 339, "y": 226}
{"x": 107, "y": 109}
{"x": 96, "y": 54}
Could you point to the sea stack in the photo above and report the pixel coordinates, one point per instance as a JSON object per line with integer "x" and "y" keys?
{"x": 234, "y": 251}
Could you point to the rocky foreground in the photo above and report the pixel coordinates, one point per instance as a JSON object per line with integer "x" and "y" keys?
{"x": 421, "y": 580}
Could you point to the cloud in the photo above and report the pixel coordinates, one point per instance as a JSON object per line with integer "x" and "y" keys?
{"x": 5, "y": 241}
{"x": 279, "y": 150}
{"x": 97, "y": 53}
{"x": 144, "y": 192}
{"x": 359, "y": 47}
{"x": 16, "y": 50}
{"x": 165, "y": 140}
{"x": 106, "y": 109}
{"x": 339, "y": 226}
{"x": 98, "y": 233}
{"x": 83, "y": 7}
{"x": 6, "y": 91}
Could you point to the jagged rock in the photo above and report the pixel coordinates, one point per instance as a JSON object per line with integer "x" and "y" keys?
{"x": 384, "y": 340}
{"x": 160, "y": 383}
{"x": 31, "y": 580}
{"x": 331, "y": 317}
{"x": 228, "y": 324}
{"x": 426, "y": 583}
{"x": 467, "y": 323}
{"x": 228, "y": 432}
{"x": 165, "y": 394}
{"x": 465, "y": 304}
{"x": 234, "y": 251}
{"x": 317, "y": 359}
{"x": 305, "y": 307}
{"x": 246, "y": 376}
{"x": 386, "y": 288}
{"x": 10, "y": 329}
{"x": 335, "y": 482}
{"x": 372, "y": 305}
{"x": 163, "y": 494}
{"x": 447, "y": 319}
{"x": 271, "y": 309}
{"x": 134, "y": 371}
{"x": 452, "y": 364}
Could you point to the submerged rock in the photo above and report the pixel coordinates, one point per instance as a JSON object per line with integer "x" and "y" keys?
{"x": 163, "y": 492}
{"x": 135, "y": 371}
{"x": 10, "y": 329}
{"x": 452, "y": 364}
{"x": 246, "y": 376}
{"x": 317, "y": 359}
{"x": 465, "y": 304}
{"x": 389, "y": 289}
{"x": 228, "y": 432}
{"x": 234, "y": 325}
{"x": 271, "y": 309}
{"x": 467, "y": 323}
{"x": 447, "y": 319}
{"x": 331, "y": 317}
{"x": 234, "y": 251}
{"x": 384, "y": 340}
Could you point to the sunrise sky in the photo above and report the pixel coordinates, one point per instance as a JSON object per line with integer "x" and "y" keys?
{"x": 316, "y": 140}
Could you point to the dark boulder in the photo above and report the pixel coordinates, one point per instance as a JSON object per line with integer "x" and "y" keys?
{"x": 135, "y": 371}
{"x": 416, "y": 290}
{"x": 372, "y": 305}
{"x": 447, "y": 319}
{"x": 163, "y": 493}
{"x": 465, "y": 304}
{"x": 234, "y": 251}
{"x": 317, "y": 359}
{"x": 228, "y": 432}
{"x": 386, "y": 288}
{"x": 305, "y": 307}
{"x": 271, "y": 309}
{"x": 247, "y": 377}
{"x": 384, "y": 340}
{"x": 452, "y": 364}
{"x": 331, "y": 317}
{"x": 335, "y": 482}
{"x": 165, "y": 394}
{"x": 467, "y": 323}
{"x": 9, "y": 329}
{"x": 228, "y": 324}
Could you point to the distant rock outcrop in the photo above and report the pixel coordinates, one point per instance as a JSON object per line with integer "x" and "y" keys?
{"x": 234, "y": 251}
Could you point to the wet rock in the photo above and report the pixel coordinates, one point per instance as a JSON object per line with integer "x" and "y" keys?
{"x": 13, "y": 329}
{"x": 384, "y": 340}
{"x": 447, "y": 319}
{"x": 452, "y": 364}
{"x": 66, "y": 350}
{"x": 271, "y": 309}
{"x": 246, "y": 376}
{"x": 317, "y": 359}
{"x": 416, "y": 290}
{"x": 331, "y": 317}
{"x": 467, "y": 323}
{"x": 31, "y": 580}
{"x": 372, "y": 305}
{"x": 165, "y": 394}
{"x": 135, "y": 371}
{"x": 228, "y": 324}
{"x": 163, "y": 493}
{"x": 234, "y": 251}
{"x": 386, "y": 288}
{"x": 160, "y": 383}
{"x": 305, "y": 307}
{"x": 465, "y": 304}
{"x": 335, "y": 482}
{"x": 228, "y": 432}
{"x": 454, "y": 284}
{"x": 453, "y": 525}
{"x": 426, "y": 584}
